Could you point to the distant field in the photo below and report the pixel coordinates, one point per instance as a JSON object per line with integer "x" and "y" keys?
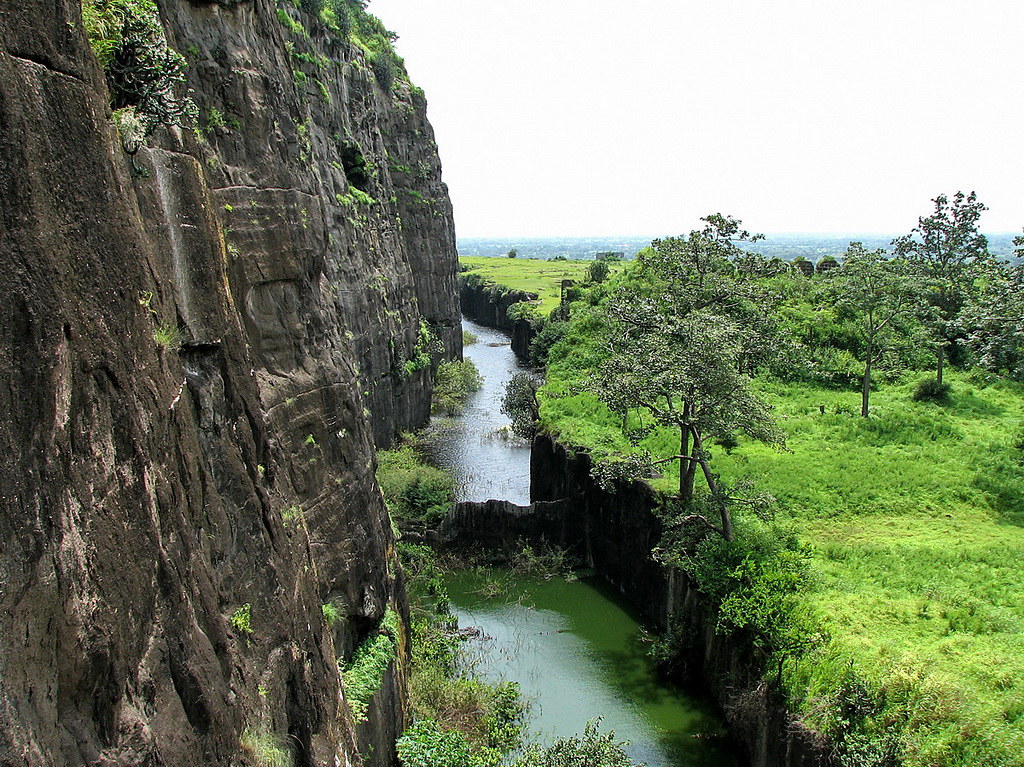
{"x": 532, "y": 275}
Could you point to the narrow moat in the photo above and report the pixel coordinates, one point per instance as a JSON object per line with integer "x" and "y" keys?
{"x": 575, "y": 647}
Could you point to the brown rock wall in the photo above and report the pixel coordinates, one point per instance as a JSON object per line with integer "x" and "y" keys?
{"x": 197, "y": 361}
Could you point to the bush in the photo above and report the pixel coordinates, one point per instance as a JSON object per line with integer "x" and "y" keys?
{"x": 930, "y": 390}
{"x": 417, "y": 494}
{"x": 266, "y": 749}
{"x": 520, "y": 405}
{"x": 453, "y": 382}
{"x": 426, "y": 744}
{"x": 598, "y": 271}
{"x": 592, "y": 749}
{"x": 364, "y": 674}
{"x": 142, "y": 71}
{"x": 549, "y": 335}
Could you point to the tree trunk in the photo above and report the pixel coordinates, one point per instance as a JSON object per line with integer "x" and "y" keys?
{"x": 723, "y": 509}
{"x": 941, "y": 355}
{"x": 687, "y": 469}
{"x": 865, "y": 390}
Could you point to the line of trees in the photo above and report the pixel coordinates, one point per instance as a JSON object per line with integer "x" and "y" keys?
{"x": 697, "y": 318}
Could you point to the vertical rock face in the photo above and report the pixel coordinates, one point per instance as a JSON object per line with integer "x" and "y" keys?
{"x": 197, "y": 360}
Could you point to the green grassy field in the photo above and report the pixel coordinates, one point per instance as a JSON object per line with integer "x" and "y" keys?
{"x": 913, "y": 524}
{"x": 912, "y": 520}
{"x": 532, "y": 275}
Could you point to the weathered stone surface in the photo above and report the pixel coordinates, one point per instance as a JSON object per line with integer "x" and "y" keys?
{"x": 152, "y": 490}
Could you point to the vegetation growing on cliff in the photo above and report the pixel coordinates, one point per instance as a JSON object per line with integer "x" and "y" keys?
{"x": 364, "y": 673}
{"x": 454, "y": 381}
{"x": 145, "y": 76}
{"x": 417, "y": 494}
{"x": 884, "y": 594}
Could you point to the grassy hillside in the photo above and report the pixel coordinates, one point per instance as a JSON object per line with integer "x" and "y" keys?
{"x": 912, "y": 526}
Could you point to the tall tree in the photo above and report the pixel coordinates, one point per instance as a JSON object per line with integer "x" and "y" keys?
{"x": 684, "y": 334}
{"x": 948, "y": 250}
{"x": 994, "y": 322}
{"x": 880, "y": 294}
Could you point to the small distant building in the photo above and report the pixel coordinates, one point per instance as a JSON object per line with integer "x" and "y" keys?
{"x": 610, "y": 255}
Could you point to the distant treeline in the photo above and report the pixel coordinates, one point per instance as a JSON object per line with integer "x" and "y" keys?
{"x": 785, "y": 246}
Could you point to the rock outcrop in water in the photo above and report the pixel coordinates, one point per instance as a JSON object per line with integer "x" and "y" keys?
{"x": 198, "y": 358}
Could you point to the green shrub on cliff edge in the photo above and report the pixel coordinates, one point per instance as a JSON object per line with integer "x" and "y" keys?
{"x": 454, "y": 381}
{"x": 144, "y": 74}
{"x": 416, "y": 493}
{"x": 364, "y": 674}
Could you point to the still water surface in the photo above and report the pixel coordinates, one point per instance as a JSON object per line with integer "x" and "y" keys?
{"x": 477, "y": 447}
{"x": 574, "y": 647}
{"x": 577, "y": 654}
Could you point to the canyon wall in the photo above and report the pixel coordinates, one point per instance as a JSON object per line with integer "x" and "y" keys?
{"x": 488, "y": 304}
{"x": 201, "y": 347}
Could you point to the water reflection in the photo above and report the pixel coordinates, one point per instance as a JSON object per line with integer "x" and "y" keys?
{"x": 577, "y": 654}
{"x": 486, "y": 459}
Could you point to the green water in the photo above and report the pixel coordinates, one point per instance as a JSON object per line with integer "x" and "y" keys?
{"x": 578, "y": 654}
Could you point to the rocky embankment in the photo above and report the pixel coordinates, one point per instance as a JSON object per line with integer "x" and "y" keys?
{"x": 488, "y": 304}
{"x": 201, "y": 346}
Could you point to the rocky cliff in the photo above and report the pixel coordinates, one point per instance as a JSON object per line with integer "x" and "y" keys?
{"x": 200, "y": 347}
{"x": 488, "y": 304}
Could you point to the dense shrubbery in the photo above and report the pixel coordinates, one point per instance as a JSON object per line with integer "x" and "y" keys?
{"x": 520, "y": 404}
{"x": 930, "y": 390}
{"x": 364, "y": 673}
{"x": 416, "y": 493}
{"x": 454, "y": 381}
{"x": 146, "y": 77}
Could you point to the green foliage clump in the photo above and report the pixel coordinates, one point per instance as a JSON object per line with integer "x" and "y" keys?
{"x": 241, "y": 619}
{"x": 331, "y": 613}
{"x": 525, "y": 311}
{"x": 362, "y": 197}
{"x": 168, "y": 336}
{"x": 265, "y": 748}
{"x": 931, "y": 390}
{"x": 520, "y": 404}
{"x": 294, "y": 26}
{"x": 598, "y": 271}
{"x": 426, "y": 744}
{"x": 145, "y": 76}
{"x": 454, "y": 381}
{"x": 426, "y": 344}
{"x": 592, "y": 749}
{"x": 416, "y": 493}
{"x": 349, "y": 19}
{"x": 364, "y": 674}
{"x": 469, "y": 338}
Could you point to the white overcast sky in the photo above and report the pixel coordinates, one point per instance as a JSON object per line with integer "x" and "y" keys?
{"x": 623, "y": 117}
